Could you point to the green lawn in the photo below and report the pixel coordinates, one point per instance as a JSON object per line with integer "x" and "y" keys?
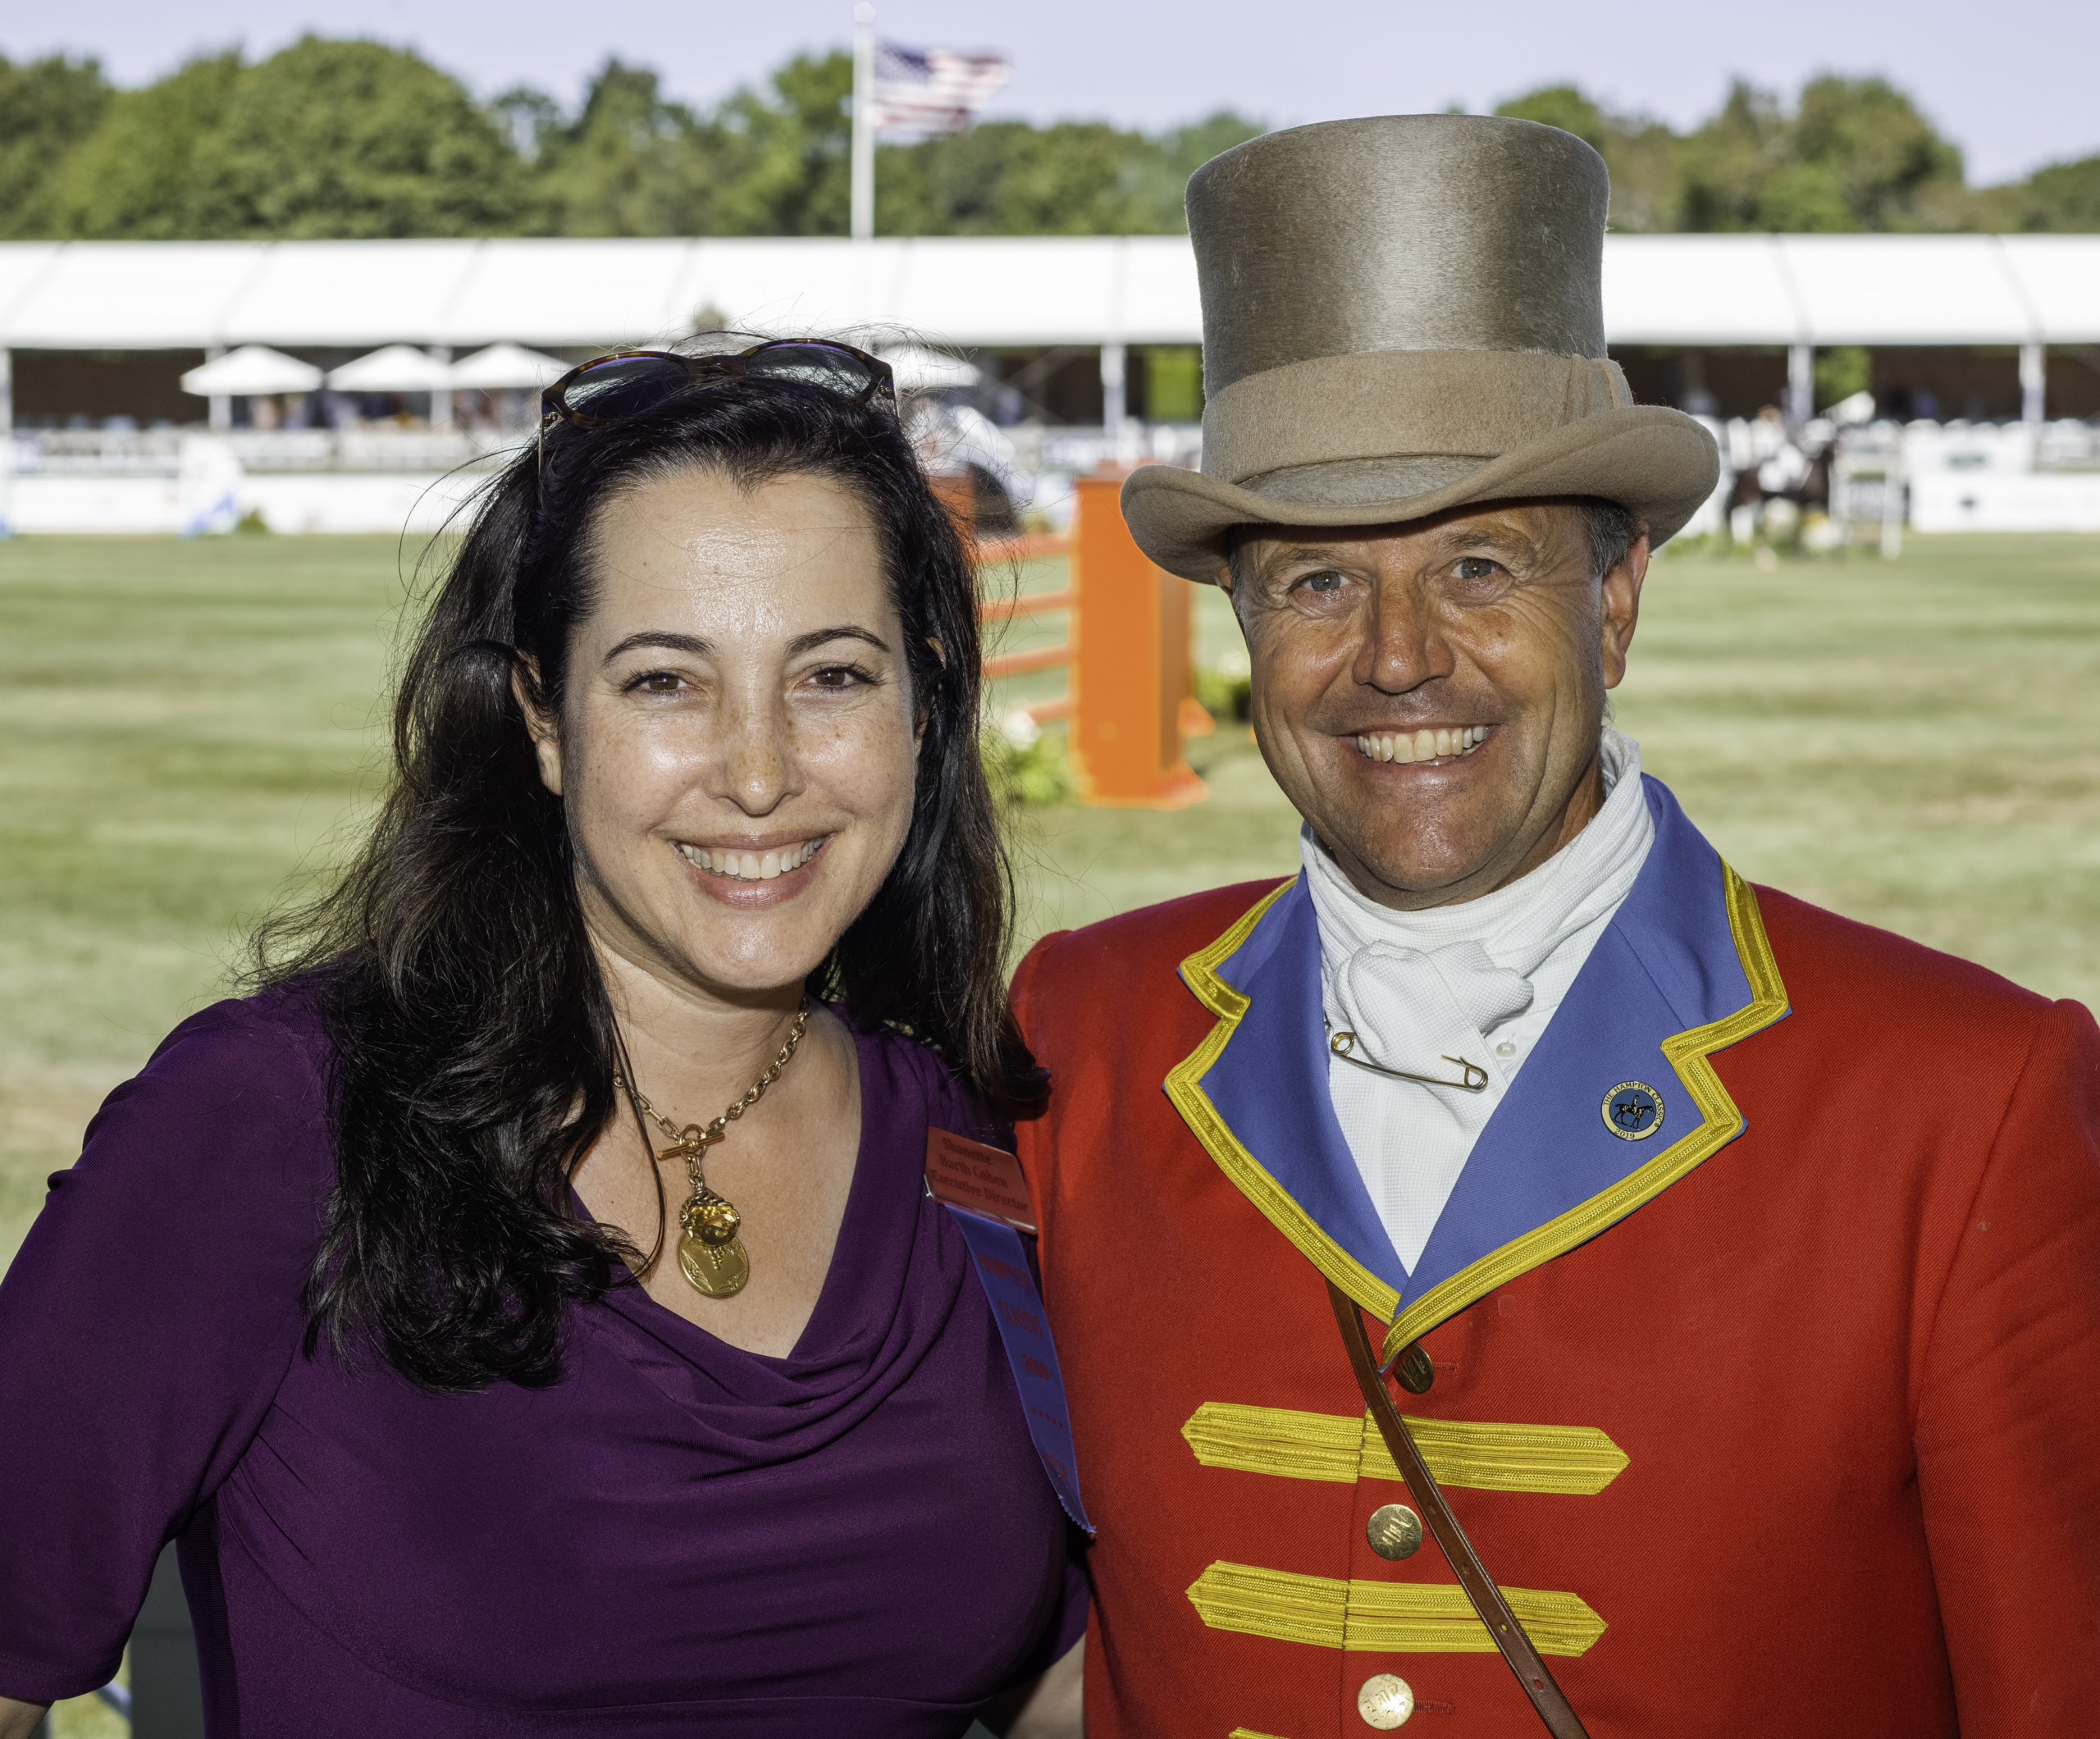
{"x": 187, "y": 730}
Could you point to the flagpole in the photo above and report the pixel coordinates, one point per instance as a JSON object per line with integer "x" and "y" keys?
{"x": 863, "y": 128}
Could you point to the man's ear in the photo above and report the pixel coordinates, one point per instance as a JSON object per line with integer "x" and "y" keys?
{"x": 1621, "y": 609}
{"x": 539, "y": 721}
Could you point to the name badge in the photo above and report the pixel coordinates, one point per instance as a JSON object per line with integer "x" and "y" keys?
{"x": 983, "y": 1189}
{"x": 967, "y": 1173}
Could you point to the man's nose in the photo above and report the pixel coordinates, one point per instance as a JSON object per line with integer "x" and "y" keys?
{"x": 1402, "y": 647}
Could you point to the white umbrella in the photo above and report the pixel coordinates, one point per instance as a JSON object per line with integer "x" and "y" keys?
{"x": 507, "y": 368}
{"x": 397, "y": 368}
{"x": 918, "y": 369}
{"x": 253, "y": 371}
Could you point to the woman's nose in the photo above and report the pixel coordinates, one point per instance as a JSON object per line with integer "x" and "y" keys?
{"x": 759, "y": 762}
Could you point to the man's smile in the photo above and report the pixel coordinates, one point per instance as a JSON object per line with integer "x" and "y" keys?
{"x": 1449, "y": 743}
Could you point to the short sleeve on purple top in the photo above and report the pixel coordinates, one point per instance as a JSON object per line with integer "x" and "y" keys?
{"x": 855, "y": 1539}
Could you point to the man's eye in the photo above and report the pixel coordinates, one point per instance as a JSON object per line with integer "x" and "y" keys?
{"x": 1475, "y": 567}
{"x": 1326, "y": 580}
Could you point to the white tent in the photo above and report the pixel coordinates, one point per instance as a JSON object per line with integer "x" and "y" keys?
{"x": 397, "y": 368}
{"x": 977, "y": 291}
{"x": 918, "y": 369}
{"x": 506, "y": 368}
{"x": 251, "y": 371}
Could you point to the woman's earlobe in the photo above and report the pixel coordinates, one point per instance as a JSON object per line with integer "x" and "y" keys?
{"x": 926, "y": 713}
{"x": 539, "y": 723}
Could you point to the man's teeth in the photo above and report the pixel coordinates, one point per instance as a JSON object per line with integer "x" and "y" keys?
{"x": 752, "y": 866}
{"x": 1421, "y": 746}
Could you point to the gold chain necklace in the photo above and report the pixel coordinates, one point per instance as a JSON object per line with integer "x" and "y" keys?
{"x": 710, "y": 1254}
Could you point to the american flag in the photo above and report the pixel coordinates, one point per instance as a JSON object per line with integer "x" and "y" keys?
{"x": 920, "y": 92}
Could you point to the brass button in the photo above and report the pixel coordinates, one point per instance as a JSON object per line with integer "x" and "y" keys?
{"x": 1393, "y": 1531}
{"x": 1414, "y": 1370}
{"x": 1385, "y": 1702}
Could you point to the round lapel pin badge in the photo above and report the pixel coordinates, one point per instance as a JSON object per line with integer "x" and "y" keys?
{"x": 1633, "y": 1111}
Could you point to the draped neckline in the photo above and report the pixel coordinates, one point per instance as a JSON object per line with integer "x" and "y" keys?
{"x": 891, "y": 1286}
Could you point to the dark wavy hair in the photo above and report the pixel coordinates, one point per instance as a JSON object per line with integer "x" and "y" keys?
{"x": 473, "y": 1044}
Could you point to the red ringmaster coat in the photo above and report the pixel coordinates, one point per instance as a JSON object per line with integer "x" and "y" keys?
{"x": 1782, "y": 1418}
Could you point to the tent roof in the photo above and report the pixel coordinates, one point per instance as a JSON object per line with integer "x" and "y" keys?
{"x": 396, "y": 368}
{"x": 507, "y": 368}
{"x": 250, "y": 371}
{"x": 976, "y": 290}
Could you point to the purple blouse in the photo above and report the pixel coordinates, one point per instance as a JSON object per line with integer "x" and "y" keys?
{"x": 855, "y": 1539}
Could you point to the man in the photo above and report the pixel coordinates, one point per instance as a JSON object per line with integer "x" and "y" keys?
{"x": 1742, "y": 1264}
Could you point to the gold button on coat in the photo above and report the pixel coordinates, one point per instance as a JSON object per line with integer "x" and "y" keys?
{"x": 1415, "y": 1370}
{"x": 1393, "y": 1531}
{"x": 1385, "y": 1702}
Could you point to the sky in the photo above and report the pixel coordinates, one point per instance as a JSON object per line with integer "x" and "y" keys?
{"x": 2012, "y": 84}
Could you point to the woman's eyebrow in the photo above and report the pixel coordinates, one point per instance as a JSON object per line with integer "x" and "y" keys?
{"x": 696, "y": 647}
{"x": 669, "y": 642}
{"x": 815, "y": 637}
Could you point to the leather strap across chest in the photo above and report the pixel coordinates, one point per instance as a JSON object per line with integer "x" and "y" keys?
{"x": 1538, "y": 1684}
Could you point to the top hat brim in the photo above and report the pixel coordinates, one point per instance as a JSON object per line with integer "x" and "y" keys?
{"x": 1658, "y": 464}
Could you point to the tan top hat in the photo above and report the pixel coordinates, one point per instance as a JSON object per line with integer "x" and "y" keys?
{"x": 1402, "y": 315}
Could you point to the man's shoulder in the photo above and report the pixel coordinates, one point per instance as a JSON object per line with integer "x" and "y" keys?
{"x": 1840, "y": 964}
{"x": 1162, "y": 935}
{"x": 1868, "y": 1007}
{"x": 1168, "y": 931}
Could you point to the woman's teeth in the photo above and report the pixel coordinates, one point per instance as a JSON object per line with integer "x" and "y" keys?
{"x": 1421, "y": 746}
{"x": 752, "y": 866}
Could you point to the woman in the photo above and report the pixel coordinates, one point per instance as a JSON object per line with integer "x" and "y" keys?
{"x": 526, "y": 1311}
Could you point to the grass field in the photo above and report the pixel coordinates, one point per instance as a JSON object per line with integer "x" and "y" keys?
{"x": 188, "y": 731}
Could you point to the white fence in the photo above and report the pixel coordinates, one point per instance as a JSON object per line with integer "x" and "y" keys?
{"x": 1950, "y": 476}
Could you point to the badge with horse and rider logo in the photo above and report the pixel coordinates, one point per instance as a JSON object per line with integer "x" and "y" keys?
{"x": 1633, "y": 1111}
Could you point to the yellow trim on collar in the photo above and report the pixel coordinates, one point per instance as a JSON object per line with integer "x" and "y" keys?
{"x": 1381, "y": 1617}
{"x": 1720, "y": 1122}
{"x": 1687, "y": 1052}
{"x": 1562, "y": 1460}
{"x": 1185, "y": 1089}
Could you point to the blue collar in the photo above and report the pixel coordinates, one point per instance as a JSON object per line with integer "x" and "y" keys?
{"x": 1683, "y": 970}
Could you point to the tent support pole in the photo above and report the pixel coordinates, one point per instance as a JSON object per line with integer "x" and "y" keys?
{"x": 1114, "y": 399}
{"x": 1801, "y": 385}
{"x": 2034, "y": 383}
{"x": 6, "y": 443}
{"x": 221, "y": 411}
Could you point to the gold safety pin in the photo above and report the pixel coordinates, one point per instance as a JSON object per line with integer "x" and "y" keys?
{"x": 1474, "y": 1078}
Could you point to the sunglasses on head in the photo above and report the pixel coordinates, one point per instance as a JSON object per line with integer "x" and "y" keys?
{"x": 608, "y": 388}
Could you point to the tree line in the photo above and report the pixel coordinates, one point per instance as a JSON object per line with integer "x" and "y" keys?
{"x": 354, "y": 138}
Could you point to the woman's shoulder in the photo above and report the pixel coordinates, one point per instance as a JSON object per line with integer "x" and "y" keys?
{"x": 912, "y": 1082}
{"x": 233, "y": 1100}
{"x": 268, "y": 1052}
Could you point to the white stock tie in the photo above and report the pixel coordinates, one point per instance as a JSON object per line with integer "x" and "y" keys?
{"x": 1422, "y": 990}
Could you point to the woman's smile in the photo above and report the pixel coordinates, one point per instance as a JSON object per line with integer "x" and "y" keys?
{"x": 747, "y": 875}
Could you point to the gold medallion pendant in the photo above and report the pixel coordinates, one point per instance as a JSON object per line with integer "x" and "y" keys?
{"x": 718, "y": 1270}
{"x": 710, "y": 1254}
